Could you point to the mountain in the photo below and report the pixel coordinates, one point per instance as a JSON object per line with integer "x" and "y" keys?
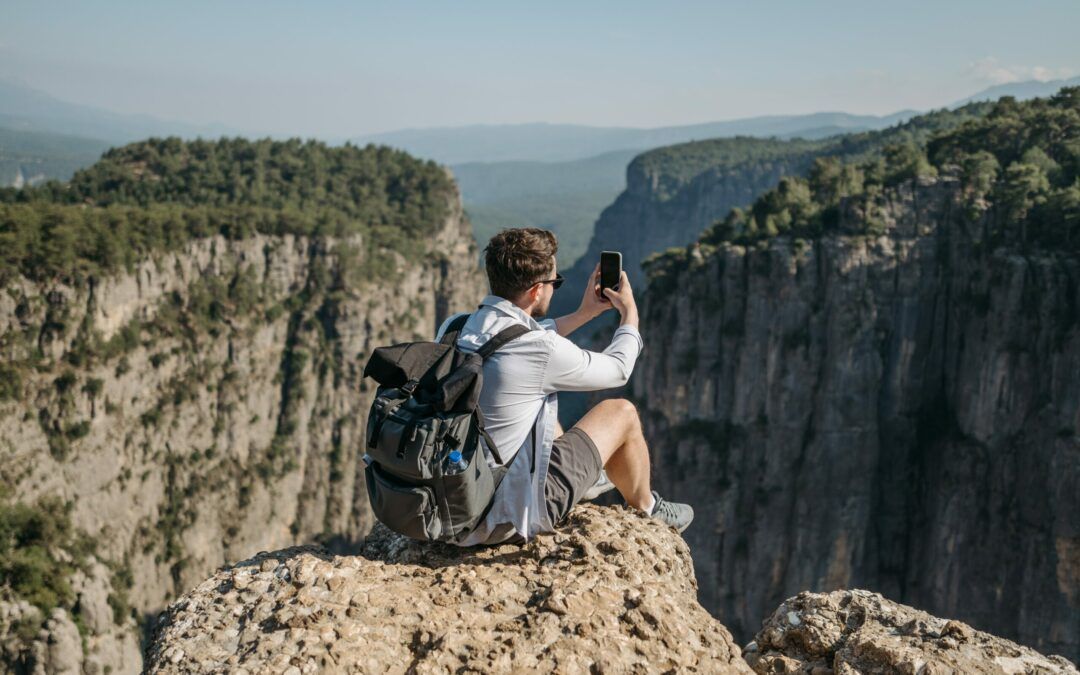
{"x": 1021, "y": 91}
{"x": 23, "y": 108}
{"x": 565, "y": 142}
{"x": 564, "y": 197}
{"x": 184, "y": 326}
{"x": 868, "y": 379}
{"x": 29, "y": 157}
{"x": 673, "y": 193}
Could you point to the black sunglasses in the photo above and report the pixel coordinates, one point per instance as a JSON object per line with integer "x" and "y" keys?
{"x": 555, "y": 283}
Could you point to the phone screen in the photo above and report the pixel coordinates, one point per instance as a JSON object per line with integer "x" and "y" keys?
{"x": 610, "y": 269}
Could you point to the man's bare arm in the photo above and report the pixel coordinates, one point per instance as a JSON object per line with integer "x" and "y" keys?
{"x": 571, "y": 322}
{"x": 592, "y": 306}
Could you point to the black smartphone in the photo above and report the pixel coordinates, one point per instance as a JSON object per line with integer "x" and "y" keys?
{"x": 610, "y": 270}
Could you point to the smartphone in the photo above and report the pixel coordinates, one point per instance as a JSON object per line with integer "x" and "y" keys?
{"x": 610, "y": 270}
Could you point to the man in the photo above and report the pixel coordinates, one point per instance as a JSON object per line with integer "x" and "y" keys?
{"x": 550, "y": 471}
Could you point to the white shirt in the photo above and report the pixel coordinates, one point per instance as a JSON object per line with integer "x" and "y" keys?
{"x": 519, "y": 399}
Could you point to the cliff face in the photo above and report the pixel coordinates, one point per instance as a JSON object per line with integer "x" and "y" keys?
{"x": 657, "y": 212}
{"x": 225, "y": 412}
{"x": 898, "y": 412}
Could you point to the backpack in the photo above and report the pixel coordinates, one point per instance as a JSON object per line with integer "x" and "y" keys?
{"x": 425, "y": 407}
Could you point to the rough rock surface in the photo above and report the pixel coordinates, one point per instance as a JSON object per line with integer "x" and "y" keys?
{"x": 610, "y": 591}
{"x": 896, "y": 412}
{"x": 862, "y": 632}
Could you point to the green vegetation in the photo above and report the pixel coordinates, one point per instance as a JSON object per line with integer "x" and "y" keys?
{"x": 1019, "y": 165}
{"x": 39, "y": 550}
{"x": 157, "y": 195}
{"x": 674, "y": 166}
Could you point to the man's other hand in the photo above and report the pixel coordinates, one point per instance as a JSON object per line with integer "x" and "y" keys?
{"x": 623, "y": 300}
{"x": 592, "y": 303}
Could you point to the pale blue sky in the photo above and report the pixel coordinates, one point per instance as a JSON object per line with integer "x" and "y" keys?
{"x": 336, "y": 69}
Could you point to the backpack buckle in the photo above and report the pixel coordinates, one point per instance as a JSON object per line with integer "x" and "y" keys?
{"x": 410, "y": 386}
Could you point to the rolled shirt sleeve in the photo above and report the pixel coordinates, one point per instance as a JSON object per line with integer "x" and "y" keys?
{"x": 571, "y": 368}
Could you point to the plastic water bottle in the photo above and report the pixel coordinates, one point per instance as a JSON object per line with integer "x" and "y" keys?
{"x": 455, "y": 463}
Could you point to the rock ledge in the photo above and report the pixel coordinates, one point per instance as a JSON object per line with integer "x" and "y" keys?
{"x": 612, "y": 590}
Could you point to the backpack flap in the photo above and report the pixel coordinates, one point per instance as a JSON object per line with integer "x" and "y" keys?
{"x": 460, "y": 390}
{"x": 395, "y": 365}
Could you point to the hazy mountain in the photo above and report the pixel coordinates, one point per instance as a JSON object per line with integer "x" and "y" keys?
{"x": 1021, "y": 90}
{"x": 28, "y": 157}
{"x": 565, "y": 197}
{"x": 24, "y": 108}
{"x": 563, "y": 142}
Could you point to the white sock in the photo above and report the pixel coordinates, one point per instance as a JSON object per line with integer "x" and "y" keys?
{"x": 651, "y": 506}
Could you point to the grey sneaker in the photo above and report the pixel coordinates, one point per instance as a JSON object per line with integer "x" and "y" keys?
{"x": 678, "y": 516}
{"x": 603, "y": 484}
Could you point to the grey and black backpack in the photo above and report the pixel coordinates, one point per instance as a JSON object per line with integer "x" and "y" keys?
{"x": 425, "y": 408}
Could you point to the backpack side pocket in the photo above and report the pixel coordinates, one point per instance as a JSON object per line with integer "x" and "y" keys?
{"x": 406, "y": 509}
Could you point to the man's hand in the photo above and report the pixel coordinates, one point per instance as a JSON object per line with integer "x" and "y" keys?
{"x": 592, "y": 303}
{"x": 623, "y": 300}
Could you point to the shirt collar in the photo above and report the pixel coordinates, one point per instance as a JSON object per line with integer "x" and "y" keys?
{"x": 506, "y": 307}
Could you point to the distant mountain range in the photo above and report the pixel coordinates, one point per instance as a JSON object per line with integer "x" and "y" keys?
{"x": 23, "y": 108}
{"x": 1021, "y": 90}
{"x": 558, "y": 176}
{"x": 567, "y": 142}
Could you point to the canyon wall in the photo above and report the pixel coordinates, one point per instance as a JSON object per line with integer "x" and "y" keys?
{"x": 897, "y": 412}
{"x": 219, "y": 410}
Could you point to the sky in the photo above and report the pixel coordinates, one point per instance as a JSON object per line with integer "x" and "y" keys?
{"x": 339, "y": 69}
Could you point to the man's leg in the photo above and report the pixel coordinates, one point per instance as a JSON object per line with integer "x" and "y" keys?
{"x": 615, "y": 429}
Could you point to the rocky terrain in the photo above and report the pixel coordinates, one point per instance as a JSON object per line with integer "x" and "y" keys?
{"x": 862, "y": 632}
{"x": 896, "y": 411}
{"x": 218, "y": 411}
{"x": 612, "y": 592}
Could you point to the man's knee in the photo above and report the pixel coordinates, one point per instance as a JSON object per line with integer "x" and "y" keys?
{"x": 624, "y": 410}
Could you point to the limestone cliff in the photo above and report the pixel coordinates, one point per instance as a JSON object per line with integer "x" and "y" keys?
{"x": 223, "y": 410}
{"x": 898, "y": 411}
{"x": 611, "y": 592}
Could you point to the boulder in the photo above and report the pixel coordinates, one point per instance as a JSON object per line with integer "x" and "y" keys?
{"x": 862, "y": 632}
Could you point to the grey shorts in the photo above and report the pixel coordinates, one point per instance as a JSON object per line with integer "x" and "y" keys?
{"x": 574, "y": 467}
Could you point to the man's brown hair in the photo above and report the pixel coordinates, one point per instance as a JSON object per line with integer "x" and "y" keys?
{"x": 516, "y": 259}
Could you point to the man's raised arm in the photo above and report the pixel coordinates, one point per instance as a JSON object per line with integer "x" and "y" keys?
{"x": 592, "y": 306}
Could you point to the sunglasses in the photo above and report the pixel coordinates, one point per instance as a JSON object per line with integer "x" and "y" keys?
{"x": 555, "y": 283}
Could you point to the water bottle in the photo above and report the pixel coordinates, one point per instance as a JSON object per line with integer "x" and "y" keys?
{"x": 455, "y": 463}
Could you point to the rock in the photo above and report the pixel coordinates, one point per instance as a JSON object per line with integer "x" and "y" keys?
{"x": 64, "y": 653}
{"x": 559, "y": 603}
{"x": 862, "y": 632}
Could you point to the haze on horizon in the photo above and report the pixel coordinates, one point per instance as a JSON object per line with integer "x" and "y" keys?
{"x": 338, "y": 69}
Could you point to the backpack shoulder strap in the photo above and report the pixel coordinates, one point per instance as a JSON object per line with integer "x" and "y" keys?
{"x": 501, "y": 338}
{"x": 449, "y": 336}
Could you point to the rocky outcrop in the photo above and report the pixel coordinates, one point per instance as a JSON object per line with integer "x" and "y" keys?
{"x": 896, "y": 412}
{"x": 862, "y": 632}
{"x": 209, "y": 403}
{"x": 611, "y": 591}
